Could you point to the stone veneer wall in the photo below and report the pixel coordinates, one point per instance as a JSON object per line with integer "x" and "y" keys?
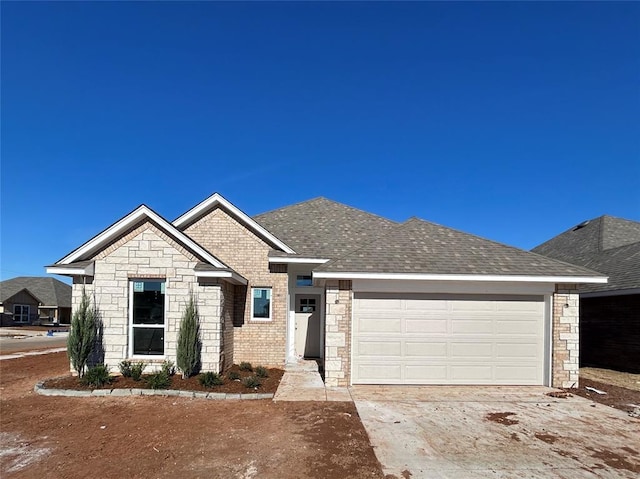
{"x": 146, "y": 252}
{"x": 258, "y": 342}
{"x": 337, "y": 360}
{"x": 565, "y": 337}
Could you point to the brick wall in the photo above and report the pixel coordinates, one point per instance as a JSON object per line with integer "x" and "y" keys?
{"x": 147, "y": 252}
{"x": 236, "y": 246}
{"x": 565, "y": 337}
{"x": 337, "y": 364}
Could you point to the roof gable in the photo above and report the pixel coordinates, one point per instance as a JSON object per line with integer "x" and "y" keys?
{"x": 218, "y": 201}
{"x": 119, "y": 228}
{"x": 48, "y": 291}
{"x": 422, "y": 248}
{"x": 322, "y": 228}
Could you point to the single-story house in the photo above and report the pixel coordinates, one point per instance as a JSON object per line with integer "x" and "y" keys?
{"x": 34, "y": 300}
{"x": 609, "y": 313}
{"x": 379, "y": 302}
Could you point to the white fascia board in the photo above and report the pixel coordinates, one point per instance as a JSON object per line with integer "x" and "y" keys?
{"x": 216, "y": 198}
{"x": 285, "y": 259}
{"x": 461, "y": 277}
{"x": 71, "y": 271}
{"x": 128, "y": 221}
{"x": 235, "y": 277}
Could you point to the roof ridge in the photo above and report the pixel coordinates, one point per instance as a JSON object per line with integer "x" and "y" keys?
{"x": 310, "y": 200}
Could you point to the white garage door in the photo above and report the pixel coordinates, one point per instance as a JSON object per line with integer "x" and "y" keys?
{"x": 427, "y": 339}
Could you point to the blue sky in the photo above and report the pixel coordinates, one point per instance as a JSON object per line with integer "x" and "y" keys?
{"x": 512, "y": 121}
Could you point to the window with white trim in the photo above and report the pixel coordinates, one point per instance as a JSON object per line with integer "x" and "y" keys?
{"x": 21, "y": 313}
{"x": 261, "y": 304}
{"x": 304, "y": 280}
{"x": 147, "y": 317}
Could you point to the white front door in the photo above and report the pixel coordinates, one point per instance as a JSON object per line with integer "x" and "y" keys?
{"x": 307, "y": 337}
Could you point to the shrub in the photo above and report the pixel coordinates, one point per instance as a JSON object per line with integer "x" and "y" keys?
{"x": 125, "y": 368}
{"x": 168, "y": 367}
{"x": 262, "y": 372}
{"x": 158, "y": 380}
{"x": 189, "y": 345}
{"x": 244, "y": 366}
{"x": 251, "y": 382}
{"x": 210, "y": 379}
{"x": 97, "y": 376}
{"x": 233, "y": 376}
{"x": 136, "y": 371}
{"x": 82, "y": 335}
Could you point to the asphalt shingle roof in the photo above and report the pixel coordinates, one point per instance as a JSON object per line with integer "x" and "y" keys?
{"x": 418, "y": 246}
{"x": 606, "y": 244}
{"x": 321, "y": 228}
{"x": 51, "y": 291}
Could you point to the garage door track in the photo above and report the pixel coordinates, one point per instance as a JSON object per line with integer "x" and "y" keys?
{"x": 496, "y": 432}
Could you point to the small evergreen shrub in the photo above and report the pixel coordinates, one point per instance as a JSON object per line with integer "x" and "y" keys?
{"x": 168, "y": 367}
{"x": 244, "y": 366}
{"x": 251, "y": 382}
{"x": 189, "y": 344}
{"x": 233, "y": 376}
{"x": 97, "y": 376}
{"x": 158, "y": 380}
{"x": 262, "y": 372}
{"x": 125, "y": 368}
{"x": 82, "y": 335}
{"x": 136, "y": 370}
{"x": 210, "y": 379}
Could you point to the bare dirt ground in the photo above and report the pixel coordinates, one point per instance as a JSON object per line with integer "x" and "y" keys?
{"x": 167, "y": 437}
{"x": 616, "y": 378}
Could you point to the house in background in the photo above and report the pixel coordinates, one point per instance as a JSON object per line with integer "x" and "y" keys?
{"x": 379, "y": 302}
{"x": 35, "y": 300}
{"x": 609, "y": 313}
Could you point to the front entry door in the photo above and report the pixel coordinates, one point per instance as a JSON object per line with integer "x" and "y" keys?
{"x": 308, "y": 325}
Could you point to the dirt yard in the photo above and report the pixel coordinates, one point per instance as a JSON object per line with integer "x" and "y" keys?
{"x": 160, "y": 437}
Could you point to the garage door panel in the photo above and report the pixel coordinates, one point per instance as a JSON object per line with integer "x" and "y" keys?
{"x": 425, "y": 349}
{"x": 471, "y": 326}
{"x": 380, "y": 349}
{"x": 425, "y": 325}
{"x": 380, "y": 325}
{"x": 448, "y": 341}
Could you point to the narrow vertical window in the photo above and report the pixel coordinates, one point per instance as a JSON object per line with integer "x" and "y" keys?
{"x": 261, "y": 304}
{"x": 147, "y": 317}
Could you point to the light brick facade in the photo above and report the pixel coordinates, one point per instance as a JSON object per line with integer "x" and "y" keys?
{"x": 258, "y": 342}
{"x": 337, "y": 360}
{"x": 147, "y": 252}
{"x": 565, "y": 337}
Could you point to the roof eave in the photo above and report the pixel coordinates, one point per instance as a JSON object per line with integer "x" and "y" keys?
{"x": 70, "y": 270}
{"x": 460, "y": 277}
{"x": 230, "y": 276}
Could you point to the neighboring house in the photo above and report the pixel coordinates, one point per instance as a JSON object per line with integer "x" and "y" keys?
{"x": 35, "y": 300}
{"x": 379, "y": 302}
{"x": 609, "y": 313}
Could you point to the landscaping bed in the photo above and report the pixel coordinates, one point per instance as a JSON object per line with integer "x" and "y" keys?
{"x": 268, "y": 385}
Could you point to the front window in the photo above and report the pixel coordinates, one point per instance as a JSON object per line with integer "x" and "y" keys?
{"x": 147, "y": 318}
{"x": 21, "y": 313}
{"x": 304, "y": 280}
{"x": 261, "y": 304}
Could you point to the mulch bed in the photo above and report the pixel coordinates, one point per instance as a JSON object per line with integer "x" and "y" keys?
{"x": 268, "y": 385}
{"x": 617, "y": 397}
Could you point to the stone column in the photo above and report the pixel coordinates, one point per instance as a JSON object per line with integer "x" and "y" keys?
{"x": 565, "y": 337}
{"x": 337, "y": 359}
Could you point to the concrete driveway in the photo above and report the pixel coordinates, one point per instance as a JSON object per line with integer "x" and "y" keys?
{"x": 496, "y": 432}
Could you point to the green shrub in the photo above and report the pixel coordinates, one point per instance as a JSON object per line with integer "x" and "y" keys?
{"x": 158, "y": 380}
{"x": 233, "y": 376}
{"x": 125, "y": 368}
{"x": 97, "y": 376}
{"x": 251, "y": 382}
{"x": 82, "y": 335}
{"x": 136, "y": 370}
{"x": 168, "y": 367}
{"x": 244, "y": 366}
{"x": 210, "y": 379}
{"x": 189, "y": 344}
{"x": 262, "y": 372}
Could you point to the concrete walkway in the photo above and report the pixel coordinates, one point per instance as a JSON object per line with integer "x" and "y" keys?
{"x": 302, "y": 382}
